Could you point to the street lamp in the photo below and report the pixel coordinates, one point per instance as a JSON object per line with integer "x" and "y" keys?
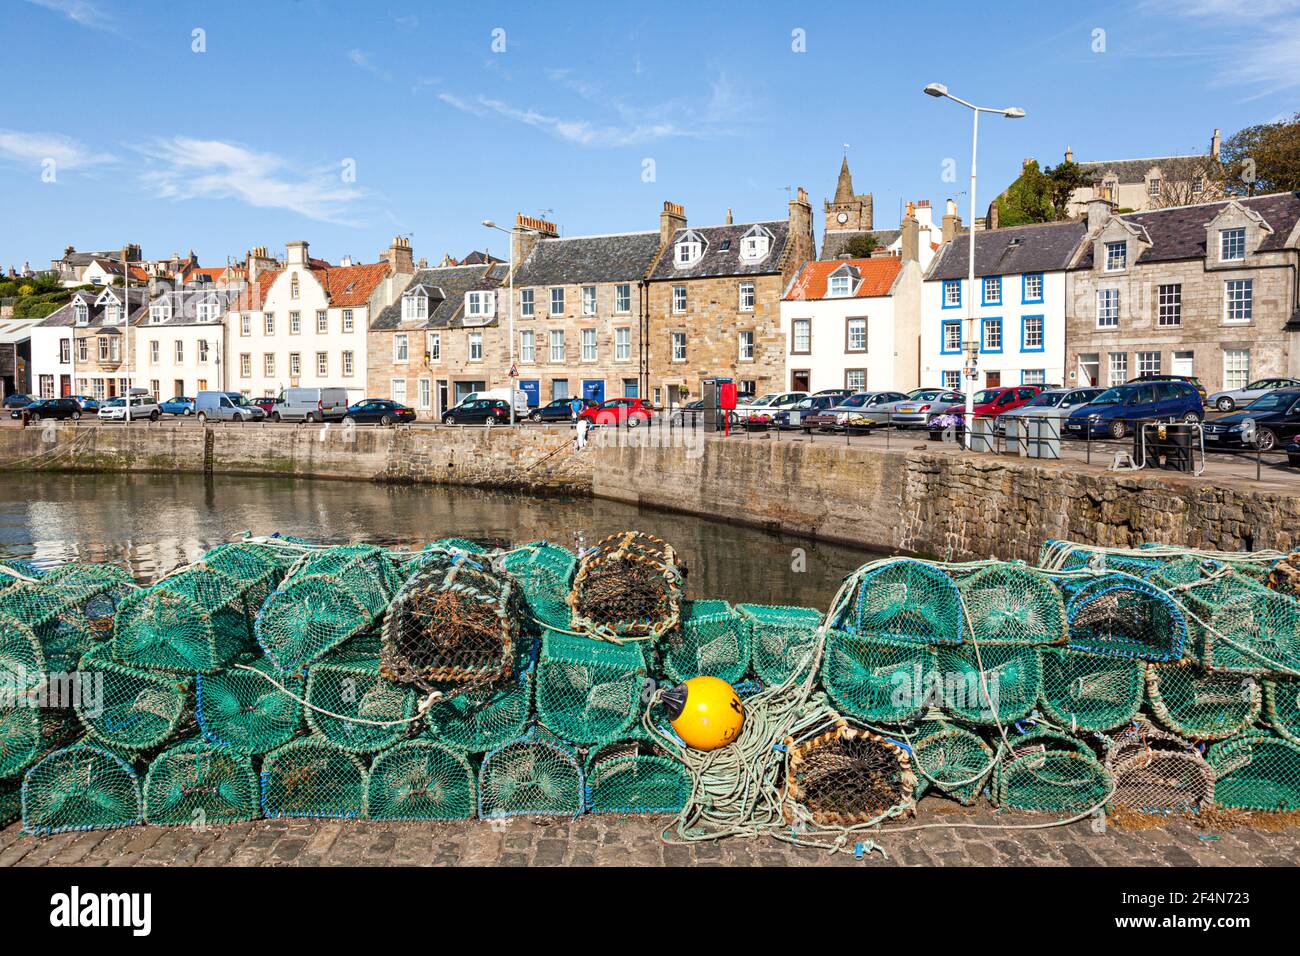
{"x": 972, "y": 343}
{"x": 510, "y": 232}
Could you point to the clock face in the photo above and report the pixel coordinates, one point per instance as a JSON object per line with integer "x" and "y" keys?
{"x": 843, "y": 217}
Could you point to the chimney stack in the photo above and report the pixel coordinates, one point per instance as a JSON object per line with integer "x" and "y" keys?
{"x": 924, "y": 214}
{"x": 728, "y": 215}
{"x": 670, "y": 220}
{"x": 399, "y": 257}
{"x": 1099, "y": 210}
{"x": 526, "y": 233}
{"x": 801, "y": 229}
{"x": 1215, "y": 145}
{"x": 993, "y": 215}
{"x": 951, "y": 222}
{"x": 296, "y": 253}
{"x": 911, "y": 237}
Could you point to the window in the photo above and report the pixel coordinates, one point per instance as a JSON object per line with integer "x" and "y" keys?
{"x": 1153, "y": 186}
{"x": 246, "y": 365}
{"x": 623, "y": 298}
{"x": 65, "y": 352}
{"x": 180, "y": 352}
{"x": 1033, "y": 376}
{"x": 433, "y": 345}
{"x": 157, "y": 314}
{"x": 622, "y": 345}
{"x": 112, "y": 314}
{"x": 557, "y": 302}
{"x": 557, "y": 345}
{"x": 268, "y": 364}
{"x": 476, "y": 346}
{"x": 1118, "y": 368}
{"x": 293, "y": 286}
{"x": 153, "y": 352}
{"x": 855, "y": 378}
{"x": 1198, "y": 186}
{"x": 208, "y": 311}
{"x": 528, "y": 347}
{"x": 1169, "y": 304}
{"x": 992, "y": 335}
{"x": 479, "y": 305}
{"x": 426, "y": 393}
{"x": 747, "y": 297}
{"x": 589, "y": 345}
{"x": 688, "y": 251}
{"x": 841, "y": 286}
{"x": 1032, "y": 288}
{"x": 295, "y": 365}
{"x": 245, "y": 325}
{"x": 1107, "y": 308}
{"x": 401, "y": 350}
{"x": 679, "y": 298}
{"x": 1116, "y": 256}
{"x": 952, "y": 379}
{"x": 203, "y": 351}
{"x": 269, "y": 323}
{"x": 82, "y": 313}
{"x": 322, "y": 322}
{"x": 295, "y": 323}
{"x": 1148, "y": 363}
{"x": 746, "y": 346}
{"x": 951, "y": 337}
{"x": 322, "y": 364}
{"x": 414, "y": 308}
{"x": 679, "y": 346}
{"x": 855, "y": 335}
{"x": 1237, "y": 300}
{"x": 993, "y": 290}
{"x": 1031, "y": 334}
{"x": 347, "y": 364}
{"x": 83, "y": 350}
{"x": 397, "y": 390}
{"x": 588, "y": 300}
{"x": 755, "y": 243}
{"x": 560, "y": 388}
{"x": 951, "y": 293}
{"x": 801, "y": 336}
{"x": 526, "y": 303}
{"x": 110, "y": 349}
{"x": 1232, "y": 244}
{"x": 1236, "y": 368}
{"x": 347, "y": 320}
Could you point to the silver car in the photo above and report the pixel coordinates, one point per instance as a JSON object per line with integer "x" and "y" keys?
{"x": 1233, "y": 398}
{"x": 914, "y": 410}
{"x": 1055, "y": 403}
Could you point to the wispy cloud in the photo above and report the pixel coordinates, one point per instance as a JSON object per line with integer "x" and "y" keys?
{"x": 1262, "y": 48}
{"x": 182, "y": 168}
{"x": 362, "y": 60}
{"x": 84, "y": 13}
{"x": 36, "y": 148}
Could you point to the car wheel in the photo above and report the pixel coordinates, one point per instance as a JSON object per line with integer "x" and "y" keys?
{"x": 311, "y": 418}
{"x": 154, "y": 415}
{"x": 187, "y": 412}
{"x": 275, "y": 417}
{"x": 633, "y": 421}
{"x": 492, "y": 420}
{"x": 1265, "y": 439}
{"x": 1191, "y": 418}
{"x": 76, "y": 416}
{"x": 203, "y": 418}
{"x": 1118, "y": 429}
{"x": 449, "y": 420}
{"x": 349, "y": 420}
{"x": 386, "y": 419}
{"x": 237, "y": 418}
{"x": 1225, "y": 404}
{"x": 534, "y": 416}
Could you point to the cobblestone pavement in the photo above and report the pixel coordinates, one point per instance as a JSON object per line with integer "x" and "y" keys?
{"x": 635, "y": 841}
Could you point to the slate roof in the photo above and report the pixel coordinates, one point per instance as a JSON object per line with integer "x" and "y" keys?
{"x": 718, "y": 261}
{"x": 65, "y": 316}
{"x": 452, "y": 282}
{"x": 833, "y": 243}
{"x": 571, "y": 261}
{"x": 185, "y": 304}
{"x": 1179, "y": 233}
{"x": 1172, "y": 168}
{"x": 477, "y": 258}
{"x": 877, "y": 278}
{"x": 1043, "y": 247}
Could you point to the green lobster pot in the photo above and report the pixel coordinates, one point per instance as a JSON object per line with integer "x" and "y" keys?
{"x": 312, "y": 778}
{"x": 1282, "y": 707}
{"x": 22, "y": 663}
{"x": 877, "y": 680}
{"x": 353, "y": 688}
{"x": 11, "y": 801}
{"x": 82, "y": 787}
{"x": 130, "y": 708}
{"x": 420, "y": 780}
{"x": 1118, "y": 616}
{"x": 545, "y": 573}
{"x": 1158, "y": 773}
{"x": 1050, "y": 773}
{"x": 69, "y": 610}
{"x": 635, "y": 776}
{"x": 439, "y": 550}
{"x": 197, "y": 783}
{"x": 1089, "y": 692}
{"x": 905, "y": 601}
{"x": 482, "y": 718}
{"x": 18, "y": 572}
{"x": 589, "y": 691}
{"x": 246, "y": 712}
{"x": 1256, "y": 771}
{"x": 713, "y": 641}
{"x": 1201, "y": 704}
{"x": 781, "y": 640}
{"x": 952, "y": 760}
{"x": 28, "y": 733}
{"x": 1010, "y": 604}
{"x": 1006, "y": 688}
{"x": 535, "y": 775}
{"x": 1240, "y": 625}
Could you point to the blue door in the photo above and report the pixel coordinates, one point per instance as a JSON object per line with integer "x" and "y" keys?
{"x": 533, "y": 389}
{"x": 594, "y": 389}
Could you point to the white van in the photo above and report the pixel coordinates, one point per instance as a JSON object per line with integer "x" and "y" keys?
{"x": 503, "y": 394}
{"x": 311, "y": 405}
{"x": 225, "y": 407}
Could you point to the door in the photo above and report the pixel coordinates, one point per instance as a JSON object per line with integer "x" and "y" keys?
{"x": 180, "y": 387}
{"x": 992, "y": 379}
{"x": 65, "y": 386}
{"x": 1089, "y": 369}
{"x": 594, "y": 389}
{"x": 801, "y": 380}
{"x": 1182, "y": 364}
{"x": 442, "y": 397}
{"x": 531, "y": 387}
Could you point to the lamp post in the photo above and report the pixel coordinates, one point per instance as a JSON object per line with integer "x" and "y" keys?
{"x": 510, "y": 232}
{"x": 972, "y": 342}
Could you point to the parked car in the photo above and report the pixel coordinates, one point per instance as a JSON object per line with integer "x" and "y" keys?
{"x": 692, "y": 413}
{"x": 1231, "y": 399}
{"x": 914, "y": 410}
{"x": 1117, "y": 411}
{"x": 378, "y": 411}
{"x": 178, "y": 406}
{"x": 834, "y": 392}
{"x": 142, "y": 407}
{"x": 17, "y": 401}
{"x": 861, "y": 409}
{"x": 811, "y": 406}
{"x": 988, "y": 403}
{"x": 1293, "y": 453}
{"x": 1054, "y": 403}
{"x": 521, "y": 399}
{"x": 43, "y": 408}
{"x": 88, "y": 403}
{"x": 1276, "y": 418}
{"x": 226, "y": 407}
{"x": 310, "y": 405}
{"x": 620, "y": 411}
{"x": 1161, "y": 377}
{"x": 561, "y": 410}
{"x": 266, "y": 403}
{"x": 478, "y": 411}
{"x": 771, "y": 402}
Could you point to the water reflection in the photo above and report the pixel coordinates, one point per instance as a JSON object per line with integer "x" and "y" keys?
{"x": 153, "y": 523}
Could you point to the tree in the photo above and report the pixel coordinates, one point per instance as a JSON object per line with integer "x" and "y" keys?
{"x": 1264, "y": 158}
{"x": 1063, "y": 179}
{"x": 1040, "y": 195}
{"x": 862, "y": 245}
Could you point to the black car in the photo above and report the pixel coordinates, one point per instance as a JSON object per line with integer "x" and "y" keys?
{"x": 49, "y": 408}
{"x": 1275, "y": 417}
{"x": 1293, "y": 453}
{"x": 378, "y": 411}
{"x": 17, "y": 401}
{"x": 561, "y": 410}
{"x": 812, "y": 405}
{"x": 480, "y": 411}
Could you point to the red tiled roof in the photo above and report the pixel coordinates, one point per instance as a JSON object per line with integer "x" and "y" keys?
{"x": 349, "y": 286}
{"x": 254, "y": 295}
{"x": 877, "y": 278}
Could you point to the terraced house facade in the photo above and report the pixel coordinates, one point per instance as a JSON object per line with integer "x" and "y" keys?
{"x": 178, "y": 345}
{"x": 96, "y": 355}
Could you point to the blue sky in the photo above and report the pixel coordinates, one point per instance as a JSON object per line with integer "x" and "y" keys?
{"x": 248, "y": 142}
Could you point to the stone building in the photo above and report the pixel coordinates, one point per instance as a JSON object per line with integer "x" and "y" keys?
{"x": 1151, "y": 183}
{"x": 714, "y": 302}
{"x": 1207, "y": 290}
{"x": 178, "y": 345}
{"x": 82, "y": 348}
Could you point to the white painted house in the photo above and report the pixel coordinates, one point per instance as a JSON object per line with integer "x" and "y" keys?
{"x": 179, "y": 345}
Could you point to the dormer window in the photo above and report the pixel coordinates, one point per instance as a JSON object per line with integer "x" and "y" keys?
{"x": 415, "y": 307}
{"x": 840, "y": 286}
{"x": 480, "y": 305}
{"x": 843, "y": 282}
{"x": 81, "y": 313}
{"x": 689, "y": 249}
{"x": 158, "y": 313}
{"x": 112, "y": 313}
{"x": 1232, "y": 244}
{"x": 207, "y": 311}
{"x": 1116, "y": 256}
{"x": 755, "y": 244}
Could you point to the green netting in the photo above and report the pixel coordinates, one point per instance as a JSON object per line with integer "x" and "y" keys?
{"x": 197, "y": 783}
{"x": 1011, "y": 604}
{"x": 82, "y": 787}
{"x": 22, "y": 663}
{"x": 713, "y": 641}
{"x": 312, "y": 778}
{"x": 11, "y": 802}
{"x": 328, "y": 597}
{"x": 781, "y": 638}
{"x": 1072, "y": 556}
{"x": 438, "y": 551}
{"x": 1006, "y": 688}
{"x": 636, "y": 776}
{"x": 1089, "y": 692}
{"x": 952, "y": 760}
{"x": 28, "y": 732}
{"x": 483, "y": 718}
{"x": 420, "y": 780}
{"x": 245, "y": 711}
{"x": 1158, "y": 773}
{"x": 628, "y": 584}
{"x": 1282, "y": 707}
{"x": 1118, "y": 616}
{"x": 906, "y": 600}
{"x": 352, "y": 687}
{"x": 1238, "y": 624}
{"x": 589, "y": 691}
{"x": 130, "y": 708}
{"x": 545, "y": 574}
{"x": 535, "y": 775}
{"x": 13, "y": 571}
{"x": 201, "y": 618}
{"x": 69, "y": 610}
{"x": 1256, "y": 771}
{"x": 845, "y": 777}
{"x": 1050, "y": 772}
{"x": 875, "y": 680}
{"x": 1202, "y": 704}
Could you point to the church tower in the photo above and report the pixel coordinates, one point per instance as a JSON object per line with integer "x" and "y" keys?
{"x": 847, "y": 212}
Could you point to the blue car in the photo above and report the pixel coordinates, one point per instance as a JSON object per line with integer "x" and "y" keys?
{"x": 88, "y": 403}
{"x": 1118, "y": 411}
{"x": 177, "y": 406}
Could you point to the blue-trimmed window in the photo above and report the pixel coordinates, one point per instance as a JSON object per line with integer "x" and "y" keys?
{"x": 1031, "y": 288}
{"x": 950, "y": 344}
{"x": 951, "y": 293}
{"x": 993, "y": 290}
{"x": 991, "y": 336}
{"x": 1031, "y": 333}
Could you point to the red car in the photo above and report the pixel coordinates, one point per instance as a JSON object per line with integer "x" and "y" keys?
{"x": 989, "y": 403}
{"x": 266, "y": 403}
{"x": 620, "y": 411}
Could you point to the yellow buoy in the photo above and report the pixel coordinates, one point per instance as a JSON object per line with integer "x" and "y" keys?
{"x": 705, "y": 712}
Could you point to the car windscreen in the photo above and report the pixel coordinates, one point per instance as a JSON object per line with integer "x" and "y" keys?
{"x": 1272, "y": 402}
{"x": 986, "y": 396}
{"x": 924, "y": 394}
{"x": 765, "y": 400}
{"x": 1048, "y": 399}
{"x": 1113, "y": 396}
{"x": 855, "y": 401}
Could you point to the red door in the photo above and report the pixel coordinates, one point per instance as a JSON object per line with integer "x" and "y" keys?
{"x": 65, "y": 386}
